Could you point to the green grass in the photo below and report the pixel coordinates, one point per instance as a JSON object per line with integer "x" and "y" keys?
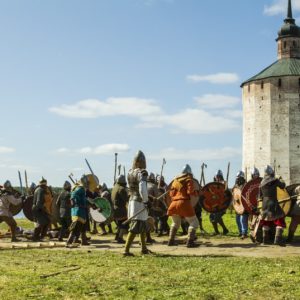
{"x": 104, "y": 275}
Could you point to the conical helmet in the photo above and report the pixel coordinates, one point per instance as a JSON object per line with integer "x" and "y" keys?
{"x": 187, "y": 169}
{"x": 139, "y": 161}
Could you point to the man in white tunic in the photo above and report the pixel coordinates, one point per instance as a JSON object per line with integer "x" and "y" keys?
{"x": 137, "y": 181}
{"x": 7, "y": 198}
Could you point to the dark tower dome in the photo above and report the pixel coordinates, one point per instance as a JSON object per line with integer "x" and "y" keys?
{"x": 289, "y": 28}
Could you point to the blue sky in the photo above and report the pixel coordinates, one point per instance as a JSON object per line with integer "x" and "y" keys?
{"x": 86, "y": 79}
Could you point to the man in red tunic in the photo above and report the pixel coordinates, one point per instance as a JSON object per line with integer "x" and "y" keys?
{"x": 182, "y": 188}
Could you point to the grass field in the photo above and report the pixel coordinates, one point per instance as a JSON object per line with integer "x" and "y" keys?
{"x": 105, "y": 275}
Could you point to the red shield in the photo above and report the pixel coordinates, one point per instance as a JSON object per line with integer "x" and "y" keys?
{"x": 250, "y": 194}
{"x": 214, "y": 198}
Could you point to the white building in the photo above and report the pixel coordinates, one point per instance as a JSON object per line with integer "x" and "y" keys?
{"x": 271, "y": 109}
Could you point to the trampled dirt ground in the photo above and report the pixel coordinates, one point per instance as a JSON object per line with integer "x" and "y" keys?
{"x": 208, "y": 246}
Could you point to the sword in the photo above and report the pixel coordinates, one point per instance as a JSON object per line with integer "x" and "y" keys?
{"x": 20, "y": 180}
{"x": 95, "y": 178}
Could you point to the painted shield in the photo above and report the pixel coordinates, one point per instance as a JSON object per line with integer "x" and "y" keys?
{"x": 250, "y": 193}
{"x": 237, "y": 201}
{"x": 284, "y": 200}
{"x": 103, "y": 211}
{"x": 93, "y": 181}
{"x": 27, "y": 208}
{"x": 214, "y": 198}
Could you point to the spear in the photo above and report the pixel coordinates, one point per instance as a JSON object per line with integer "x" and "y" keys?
{"x": 116, "y": 165}
{"x": 161, "y": 171}
{"x": 227, "y": 177}
{"x": 20, "y": 180}
{"x": 26, "y": 183}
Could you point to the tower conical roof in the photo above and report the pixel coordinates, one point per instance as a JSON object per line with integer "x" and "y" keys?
{"x": 289, "y": 28}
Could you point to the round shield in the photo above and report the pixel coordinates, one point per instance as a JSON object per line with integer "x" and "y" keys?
{"x": 250, "y": 193}
{"x": 237, "y": 201}
{"x": 214, "y": 198}
{"x": 15, "y": 209}
{"x": 93, "y": 182}
{"x": 103, "y": 211}
{"x": 27, "y": 208}
{"x": 284, "y": 200}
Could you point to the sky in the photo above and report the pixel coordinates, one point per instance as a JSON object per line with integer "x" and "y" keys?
{"x": 88, "y": 79}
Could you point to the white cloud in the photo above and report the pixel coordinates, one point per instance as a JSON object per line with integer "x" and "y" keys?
{"x": 188, "y": 120}
{"x": 192, "y": 121}
{"x": 236, "y": 114}
{"x": 217, "y": 101}
{"x": 5, "y": 150}
{"x": 197, "y": 154}
{"x": 280, "y": 7}
{"x": 93, "y": 108}
{"x": 218, "y": 78}
{"x": 105, "y": 149}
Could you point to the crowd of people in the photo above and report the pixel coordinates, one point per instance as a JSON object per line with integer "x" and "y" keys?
{"x": 142, "y": 203}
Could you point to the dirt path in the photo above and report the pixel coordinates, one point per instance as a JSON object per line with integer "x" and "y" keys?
{"x": 208, "y": 246}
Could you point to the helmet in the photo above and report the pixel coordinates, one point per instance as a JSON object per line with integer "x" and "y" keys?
{"x": 240, "y": 174}
{"x": 255, "y": 172}
{"x": 32, "y": 186}
{"x": 67, "y": 185}
{"x": 121, "y": 179}
{"x": 297, "y": 190}
{"x": 187, "y": 169}
{"x": 151, "y": 177}
{"x": 139, "y": 161}
{"x": 269, "y": 171}
{"x": 219, "y": 173}
{"x": 84, "y": 181}
{"x": 104, "y": 187}
{"x": 7, "y": 184}
{"x": 43, "y": 181}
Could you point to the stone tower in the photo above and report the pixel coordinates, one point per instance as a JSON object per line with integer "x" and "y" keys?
{"x": 271, "y": 109}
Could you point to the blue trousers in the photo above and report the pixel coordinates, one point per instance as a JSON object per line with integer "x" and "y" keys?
{"x": 242, "y": 223}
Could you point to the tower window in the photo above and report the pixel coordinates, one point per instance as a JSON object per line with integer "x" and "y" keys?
{"x": 279, "y": 82}
{"x": 294, "y": 44}
{"x": 262, "y": 85}
{"x": 284, "y": 45}
{"x": 299, "y": 82}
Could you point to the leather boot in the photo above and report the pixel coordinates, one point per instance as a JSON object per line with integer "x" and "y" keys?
{"x": 84, "y": 239}
{"x": 120, "y": 239}
{"x": 215, "y": 225}
{"x": 37, "y": 234}
{"x": 290, "y": 237}
{"x": 191, "y": 238}
{"x": 172, "y": 235}
{"x": 278, "y": 237}
{"x": 266, "y": 237}
{"x": 129, "y": 241}
{"x": 149, "y": 239}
